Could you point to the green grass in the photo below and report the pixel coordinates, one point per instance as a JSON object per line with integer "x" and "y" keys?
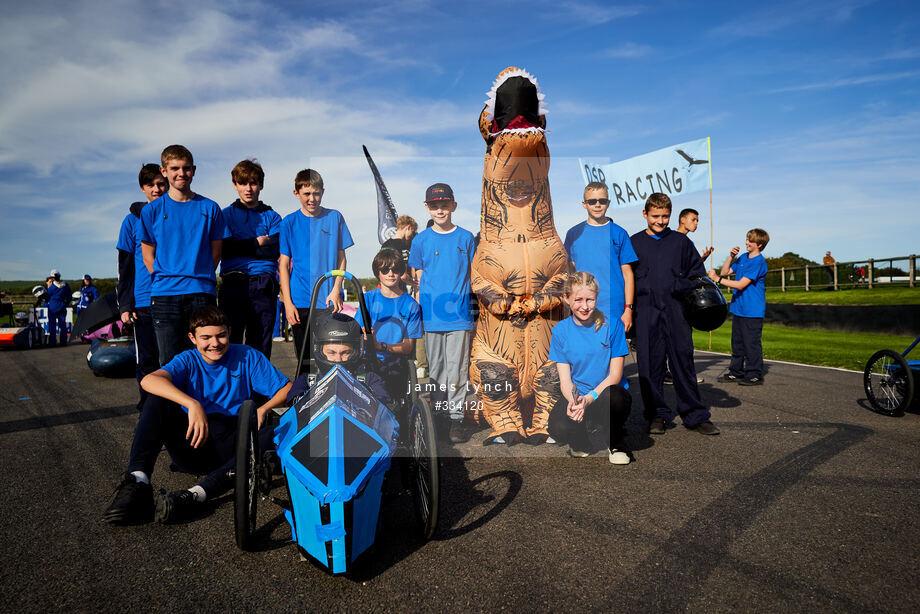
{"x": 879, "y": 295}
{"x": 813, "y": 347}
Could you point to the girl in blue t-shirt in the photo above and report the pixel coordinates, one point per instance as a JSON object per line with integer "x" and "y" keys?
{"x": 588, "y": 350}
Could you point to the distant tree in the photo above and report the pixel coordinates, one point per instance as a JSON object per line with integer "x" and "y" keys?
{"x": 788, "y": 260}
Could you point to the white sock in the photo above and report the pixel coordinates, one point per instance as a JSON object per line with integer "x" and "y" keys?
{"x": 141, "y": 477}
{"x": 199, "y": 493}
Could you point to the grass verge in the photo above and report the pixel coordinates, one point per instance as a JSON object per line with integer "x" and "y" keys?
{"x": 812, "y": 347}
{"x": 880, "y": 295}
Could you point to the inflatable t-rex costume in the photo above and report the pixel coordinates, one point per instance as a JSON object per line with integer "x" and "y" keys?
{"x": 520, "y": 264}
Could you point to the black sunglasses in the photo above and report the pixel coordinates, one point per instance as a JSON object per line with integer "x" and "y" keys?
{"x": 398, "y": 269}
{"x": 594, "y": 201}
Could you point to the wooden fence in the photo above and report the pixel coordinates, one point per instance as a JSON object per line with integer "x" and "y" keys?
{"x": 859, "y": 273}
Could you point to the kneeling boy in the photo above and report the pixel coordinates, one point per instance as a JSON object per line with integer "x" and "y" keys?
{"x": 192, "y": 409}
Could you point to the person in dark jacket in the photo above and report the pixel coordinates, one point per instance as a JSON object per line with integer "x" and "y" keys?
{"x": 668, "y": 264}
{"x": 249, "y": 262}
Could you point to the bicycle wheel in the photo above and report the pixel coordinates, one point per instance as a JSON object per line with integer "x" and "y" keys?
{"x": 888, "y": 382}
{"x": 425, "y": 471}
{"x": 246, "y": 496}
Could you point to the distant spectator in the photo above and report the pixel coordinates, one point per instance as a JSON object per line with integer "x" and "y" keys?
{"x": 88, "y": 294}
{"x": 58, "y": 298}
{"x": 829, "y": 263}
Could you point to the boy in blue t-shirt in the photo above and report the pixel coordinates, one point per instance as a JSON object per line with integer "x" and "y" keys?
{"x": 313, "y": 241}
{"x": 133, "y": 289}
{"x": 249, "y": 261}
{"x": 181, "y": 234}
{"x": 748, "y": 307}
{"x": 602, "y": 248}
{"x": 396, "y": 319}
{"x": 441, "y": 257}
{"x": 192, "y": 410}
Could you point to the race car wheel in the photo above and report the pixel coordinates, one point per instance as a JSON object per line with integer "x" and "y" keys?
{"x": 888, "y": 382}
{"x": 424, "y": 468}
{"x": 246, "y": 496}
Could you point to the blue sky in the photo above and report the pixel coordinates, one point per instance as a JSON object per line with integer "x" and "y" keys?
{"x": 812, "y": 109}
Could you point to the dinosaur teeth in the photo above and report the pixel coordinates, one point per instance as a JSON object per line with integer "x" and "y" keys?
{"x": 490, "y": 100}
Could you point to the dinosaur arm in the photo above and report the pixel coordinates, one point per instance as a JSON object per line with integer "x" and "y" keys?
{"x": 492, "y": 296}
{"x": 551, "y": 296}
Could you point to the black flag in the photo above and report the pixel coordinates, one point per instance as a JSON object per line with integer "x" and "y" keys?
{"x": 386, "y": 212}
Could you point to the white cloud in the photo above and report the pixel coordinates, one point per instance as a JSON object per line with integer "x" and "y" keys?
{"x": 848, "y": 82}
{"x": 626, "y": 51}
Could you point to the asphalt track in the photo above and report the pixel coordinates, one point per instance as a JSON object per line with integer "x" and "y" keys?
{"x": 806, "y": 502}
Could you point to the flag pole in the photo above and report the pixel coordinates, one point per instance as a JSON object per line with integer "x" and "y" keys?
{"x": 711, "y": 226}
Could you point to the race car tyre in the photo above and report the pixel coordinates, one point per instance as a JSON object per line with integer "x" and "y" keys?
{"x": 424, "y": 468}
{"x": 889, "y": 382}
{"x": 246, "y": 495}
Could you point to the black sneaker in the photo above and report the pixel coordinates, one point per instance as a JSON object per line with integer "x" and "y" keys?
{"x": 657, "y": 426}
{"x": 459, "y": 432}
{"x": 536, "y": 439}
{"x": 728, "y": 378}
{"x": 751, "y": 381}
{"x": 706, "y": 428}
{"x": 133, "y": 502}
{"x": 175, "y": 506}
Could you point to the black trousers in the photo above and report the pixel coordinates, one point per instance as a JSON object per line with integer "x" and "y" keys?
{"x": 251, "y": 305}
{"x": 145, "y": 348}
{"x": 170, "y": 321}
{"x": 747, "y": 351}
{"x": 602, "y": 426}
{"x": 165, "y": 423}
{"x": 663, "y": 337}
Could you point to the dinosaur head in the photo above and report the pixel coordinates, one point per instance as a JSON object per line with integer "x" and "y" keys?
{"x": 514, "y": 106}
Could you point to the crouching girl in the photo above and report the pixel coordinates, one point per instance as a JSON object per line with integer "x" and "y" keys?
{"x": 589, "y": 352}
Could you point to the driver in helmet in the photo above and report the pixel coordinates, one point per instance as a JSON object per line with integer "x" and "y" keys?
{"x": 338, "y": 340}
{"x": 22, "y": 318}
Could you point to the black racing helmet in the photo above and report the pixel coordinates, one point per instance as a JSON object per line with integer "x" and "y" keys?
{"x": 705, "y": 306}
{"x": 337, "y": 328}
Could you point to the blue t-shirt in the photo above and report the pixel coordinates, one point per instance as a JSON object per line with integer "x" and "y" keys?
{"x": 245, "y": 223}
{"x": 587, "y": 351}
{"x": 393, "y": 319}
{"x": 444, "y": 295}
{"x": 313, "y": 244}
{"x": 182, "y": 234}
{"x": 223, "y": 386}
{"x": 129, "y": 240}
{"x": 601, "y": 251}
{"x": 752, "y": 301}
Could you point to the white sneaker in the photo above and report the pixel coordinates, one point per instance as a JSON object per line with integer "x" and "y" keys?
{"x": 618, "y": 457}
{"x": 577, "y": 453}
{"x": 550, "y": 440}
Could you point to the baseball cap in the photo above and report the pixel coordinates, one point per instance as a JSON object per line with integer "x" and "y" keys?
{"x": 88, "y": 277}
{"x": 438, "y": 191}
{"x": 55, "y": 273}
